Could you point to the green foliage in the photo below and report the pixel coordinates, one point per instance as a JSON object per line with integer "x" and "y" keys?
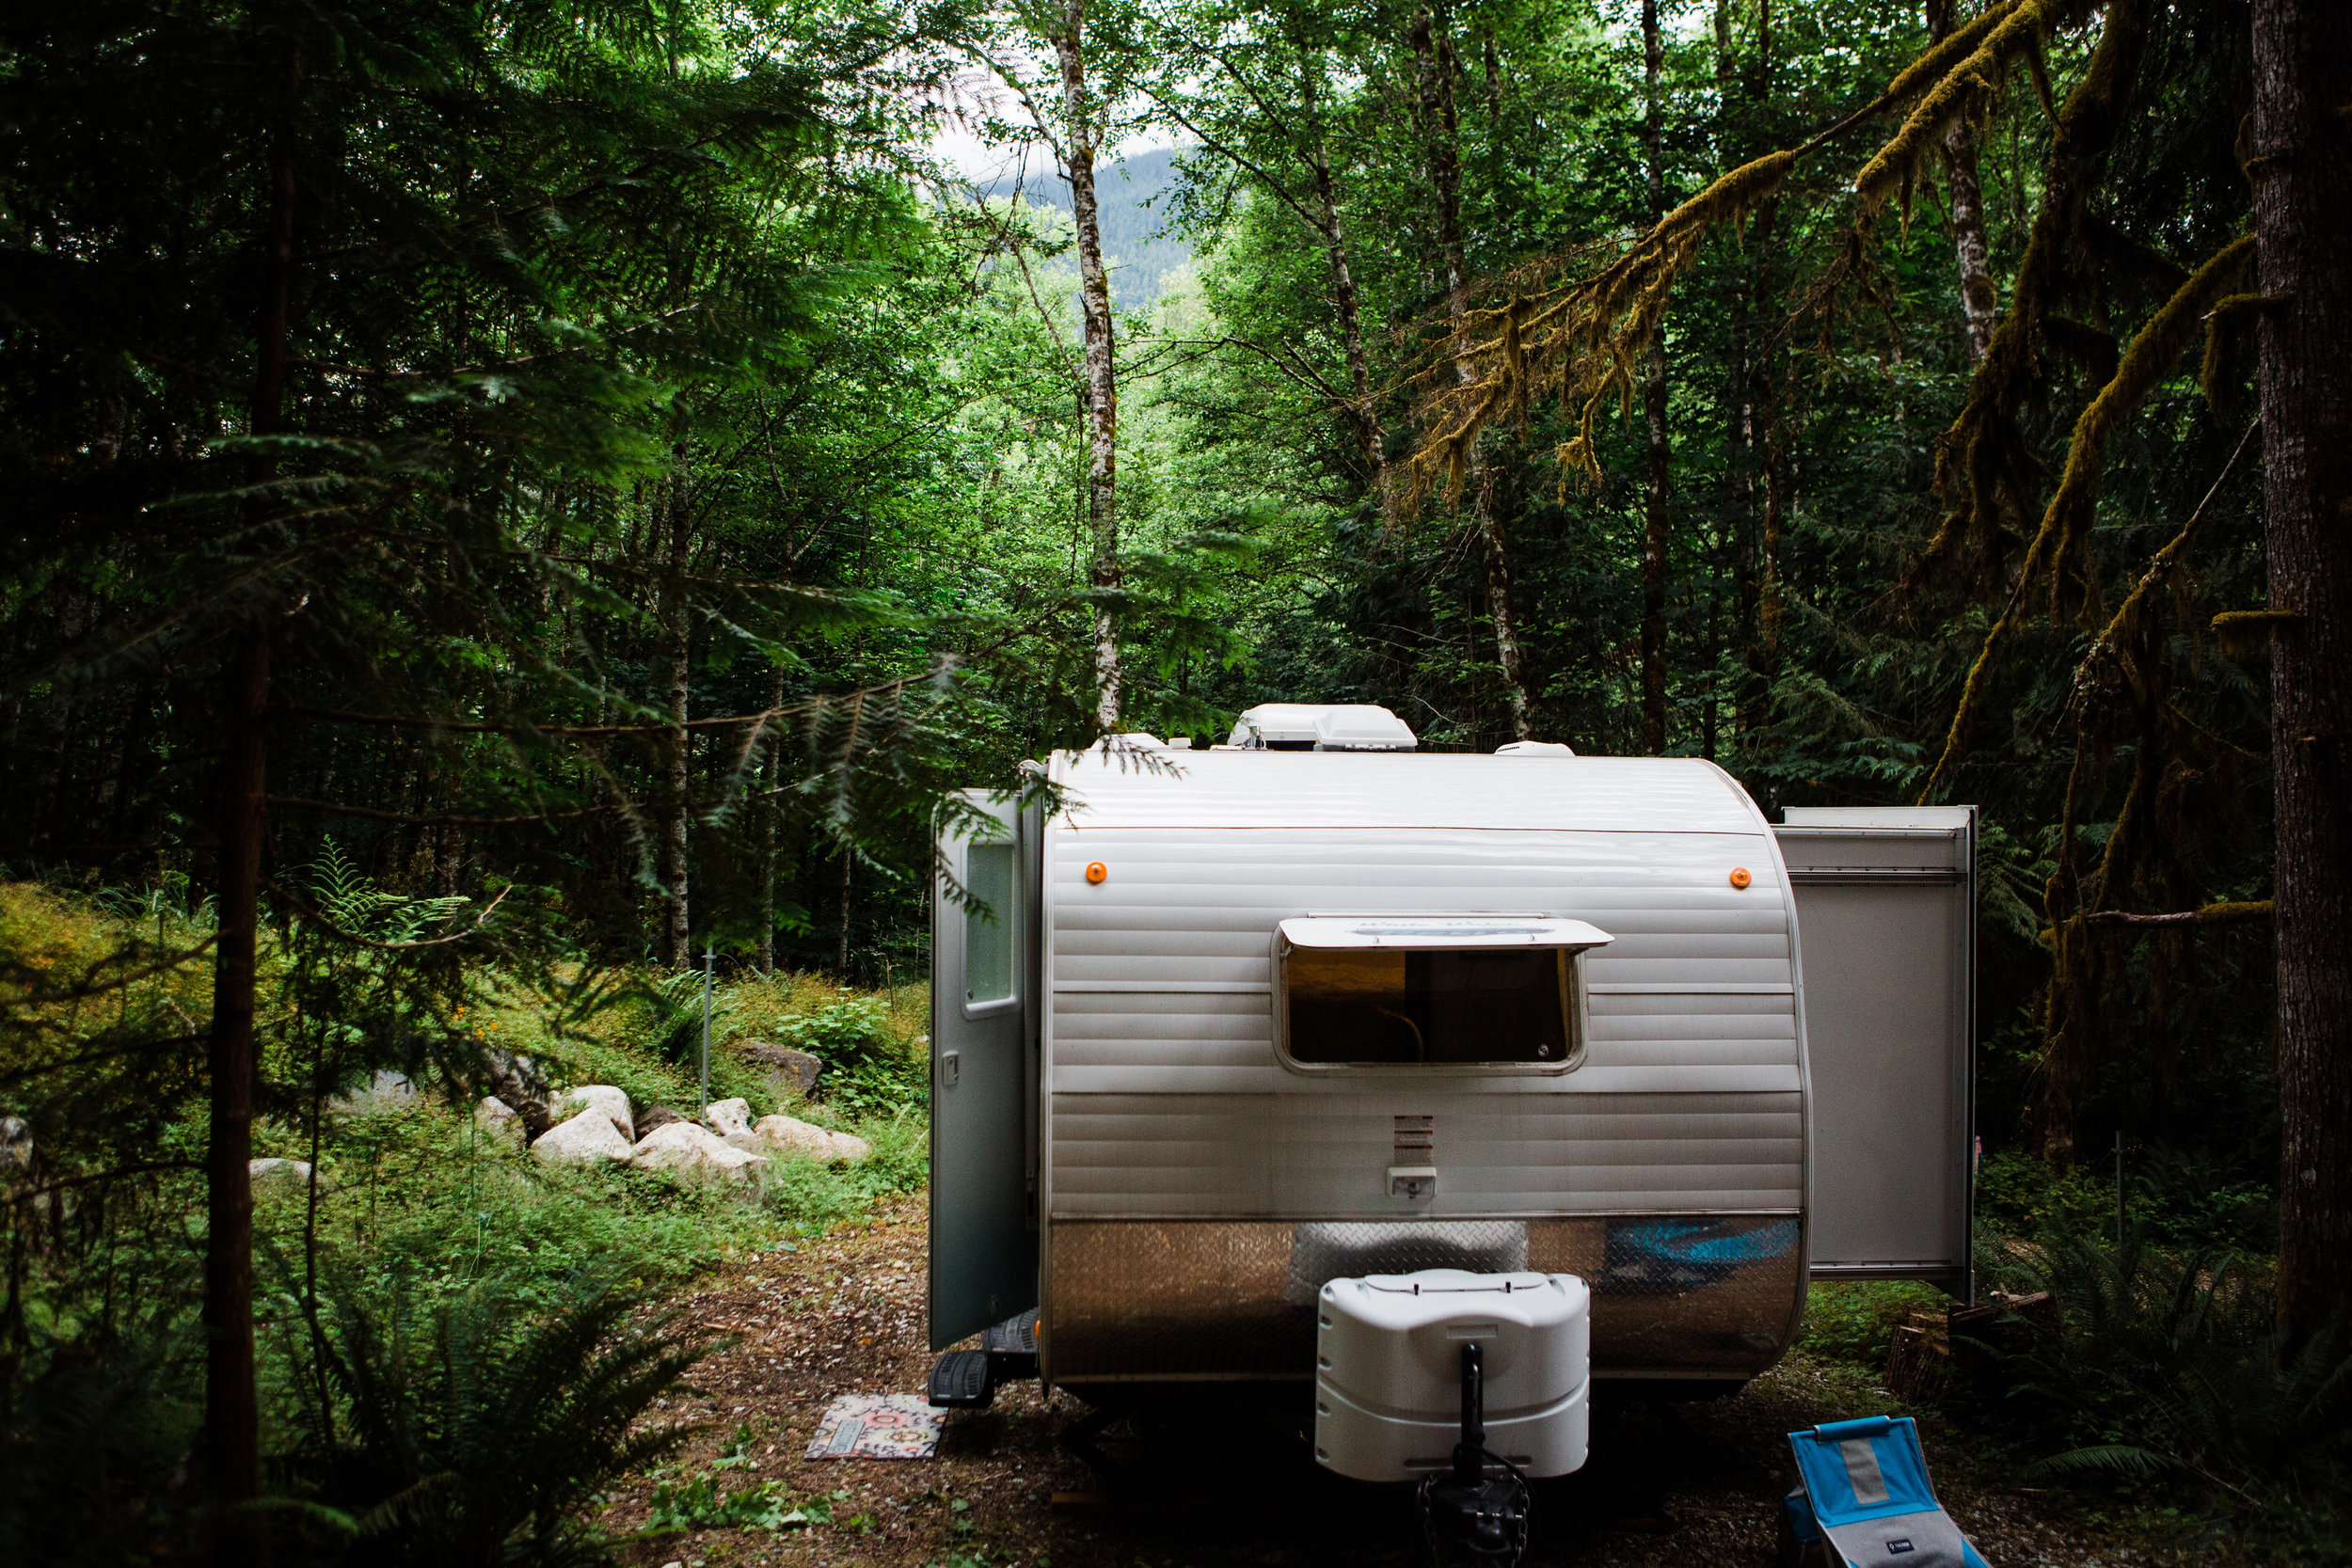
{"x": 809, "y": 1196}
{"x": 2020, "y": 1196}
{"x": 701, "y": 1505}
{"x": 89, "y": 1447}
{"x": 473, "y": 1427}
{"x": 1853, "y": 1321}
{"x": 2164, "y": 1365}
{"x": 869, "y": 1070}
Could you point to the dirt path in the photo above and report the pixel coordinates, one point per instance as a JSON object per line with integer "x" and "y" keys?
{"x": 1679, "y": 1484}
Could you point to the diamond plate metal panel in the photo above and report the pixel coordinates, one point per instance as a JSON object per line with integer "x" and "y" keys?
{"x": 1324, "y": 1251}
{"x": 1708, "y": 1295}
{"x": 1141, "y": 1299}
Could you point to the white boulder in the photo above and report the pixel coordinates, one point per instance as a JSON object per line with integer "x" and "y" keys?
{"x": 727, "y": 1118}
{"x": 277, "y": 1169}
{"x": 605, "y": 1097}
{"x": 797, "y": 1137}
{"x": 496, "y": 1116}
{"x": 692, "y": 1149}
{"x": 587, "y": 1138}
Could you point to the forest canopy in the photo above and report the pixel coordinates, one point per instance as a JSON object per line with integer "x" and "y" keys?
{"x": 603, "y": 468}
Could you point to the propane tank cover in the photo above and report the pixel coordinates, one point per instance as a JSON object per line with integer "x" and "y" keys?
{"x": 1388, "y": 1370}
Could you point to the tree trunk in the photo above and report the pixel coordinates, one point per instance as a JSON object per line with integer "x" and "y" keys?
{"x": 1434, "y": 46}
{"x": 1363, "y": 416}
{"x": 231, "y": 1445}
{"x": 679, "y": 624}
{"x": 1101, "y": 387}
{"x": 770, "y": 767}
{"x": 2302, "y": 174}
{"x": 1978, "y": 296}
{"x": 233, "y": 1428}
{"x": 1654, "y": 410}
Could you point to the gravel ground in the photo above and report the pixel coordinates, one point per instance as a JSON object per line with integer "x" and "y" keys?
{"x": 1679, "y": 1484}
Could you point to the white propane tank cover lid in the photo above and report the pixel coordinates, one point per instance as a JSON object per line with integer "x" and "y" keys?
{"x": 1449, "y": 1281}
{"x": 1321, "y": 727}
{"x": 1534, "y": 749}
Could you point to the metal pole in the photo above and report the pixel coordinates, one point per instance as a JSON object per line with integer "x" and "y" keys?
{"x": 707, "y": 954}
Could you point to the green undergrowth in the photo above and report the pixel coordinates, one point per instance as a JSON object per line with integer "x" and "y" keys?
{"x": 1854, "y": 1321}
{"x": 412, "y": 1185}
{"x": 420, "y": 1189}
{"x": 642, "y": 1033}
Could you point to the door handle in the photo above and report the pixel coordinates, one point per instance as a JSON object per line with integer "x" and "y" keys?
{"x": 950, "y": 1063}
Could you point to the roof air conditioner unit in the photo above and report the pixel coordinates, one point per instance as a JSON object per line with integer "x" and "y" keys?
{"x": 1321, "y": 727}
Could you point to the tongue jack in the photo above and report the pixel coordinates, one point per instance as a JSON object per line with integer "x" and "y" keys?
{"x": 1480, "y": 1508}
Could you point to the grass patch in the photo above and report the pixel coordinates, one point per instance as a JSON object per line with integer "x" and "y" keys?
{"x": 1853, "y": 1321}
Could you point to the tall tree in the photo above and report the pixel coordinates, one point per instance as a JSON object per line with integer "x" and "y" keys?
{"x": 1980, "y": 301}
{"x": 1433, "y": 47}
{"x": 675, "y": 520}
{"x": 1082, "y": 122}
{"x": 2301, "y": 165}
{"x": 1656, "y": 522}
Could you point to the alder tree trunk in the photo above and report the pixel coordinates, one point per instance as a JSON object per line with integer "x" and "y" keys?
{"x": 232, "y": 1442}
{"x": 1978, "y": 296}
{"x": 1654, "y": 528}
{"x": 1363, "y": 416}
{"x": 1102, "y": 386}
{"x": 2302, "y": 175}
{"x": 678, "y": 942}
{"x": 1433, "y": 45}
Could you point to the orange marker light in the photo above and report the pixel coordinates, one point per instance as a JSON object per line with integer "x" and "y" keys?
{"x": 1096, "y": 871}
{"x": 1739, "y": 876}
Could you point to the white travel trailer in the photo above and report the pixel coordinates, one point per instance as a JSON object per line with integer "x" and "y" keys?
{"x": 1316, "y": 1007}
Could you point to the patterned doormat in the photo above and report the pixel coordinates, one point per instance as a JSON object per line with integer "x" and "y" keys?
{"x": 877, "y": 1426}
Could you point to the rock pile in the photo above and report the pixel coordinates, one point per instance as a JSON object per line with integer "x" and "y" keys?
{"x": 726, "y": 1144}
{"x": 692, "y": 1150}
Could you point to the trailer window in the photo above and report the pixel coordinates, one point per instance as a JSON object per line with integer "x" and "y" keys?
{"x": 1460, "y": 1006}
{"x": 988, "y": 946}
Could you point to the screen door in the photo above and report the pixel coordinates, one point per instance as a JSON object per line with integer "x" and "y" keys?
{"x": 983, "y": 1246}
{"x": 1886, "y": 933}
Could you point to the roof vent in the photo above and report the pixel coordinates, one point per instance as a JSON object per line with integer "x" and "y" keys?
{"x": 1534, "y": 749}
{"x": 1321, "y": 727}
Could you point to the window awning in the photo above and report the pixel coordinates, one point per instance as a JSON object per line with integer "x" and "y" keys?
{"x": 1440, "y": 931}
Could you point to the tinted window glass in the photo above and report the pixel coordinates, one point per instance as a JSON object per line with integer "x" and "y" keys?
{"x": 988, "y": 946}
{"x": 1382, "y": 1004}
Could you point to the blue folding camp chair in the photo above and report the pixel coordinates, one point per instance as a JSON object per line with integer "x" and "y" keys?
{"x": 1863, "y": 1501}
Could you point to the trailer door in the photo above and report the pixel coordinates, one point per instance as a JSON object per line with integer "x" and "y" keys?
{"x": 983, "y": 1243}
{"x": 1887, "y": 927}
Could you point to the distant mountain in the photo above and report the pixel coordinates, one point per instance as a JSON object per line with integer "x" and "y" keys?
{"x": 1140, "y": 258}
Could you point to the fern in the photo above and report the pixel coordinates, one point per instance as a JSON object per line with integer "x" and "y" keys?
{"x": 477, "y": 1427}
{"x": 2113, "y": 1458}
{"x": 352, "y": 902}
{"x": 2160, "y": 1362}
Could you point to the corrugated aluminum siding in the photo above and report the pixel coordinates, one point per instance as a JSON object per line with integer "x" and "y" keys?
{"x": 1166, "y": 1097}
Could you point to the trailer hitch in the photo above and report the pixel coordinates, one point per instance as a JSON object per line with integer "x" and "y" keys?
{"x": 1479, "y": 1509}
